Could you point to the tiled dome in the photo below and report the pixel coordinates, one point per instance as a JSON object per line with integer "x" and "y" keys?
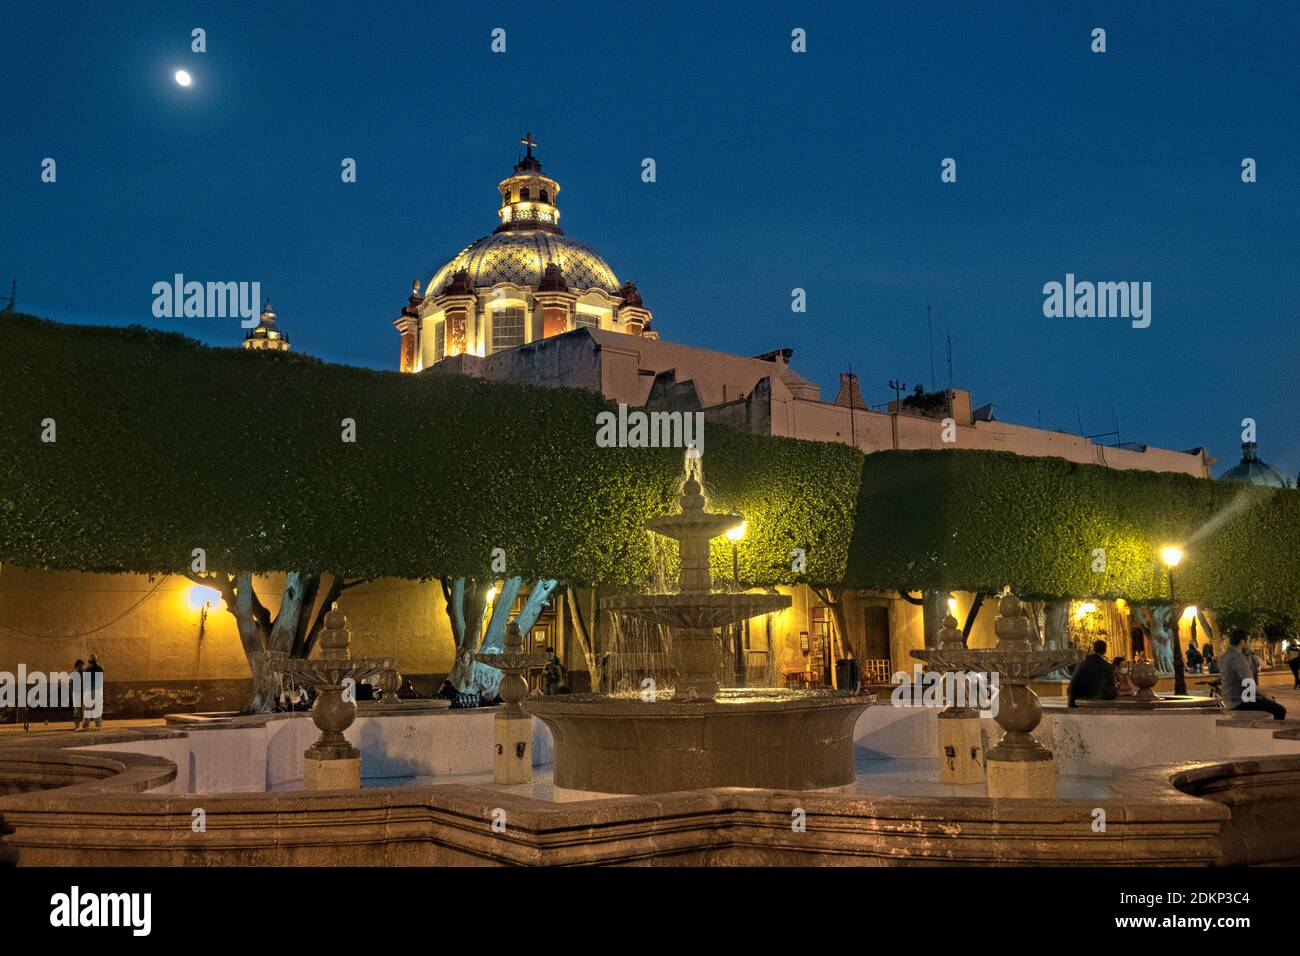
{"x": 521, "y": 257}
{"x": 1253, "y": 471}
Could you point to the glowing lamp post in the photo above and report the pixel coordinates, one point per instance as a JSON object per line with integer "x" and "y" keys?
{"x": 1172, "y": 556}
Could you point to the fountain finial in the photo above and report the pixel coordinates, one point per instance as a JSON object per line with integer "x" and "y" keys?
{"x": 950, "y": 634}
{"x": 1012, "y": 624}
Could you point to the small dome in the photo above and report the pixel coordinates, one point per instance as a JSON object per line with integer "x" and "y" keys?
{"x": 266, "y": 334}
{"x": 1252, "y": 471}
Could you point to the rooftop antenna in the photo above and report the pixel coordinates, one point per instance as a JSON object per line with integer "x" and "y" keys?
{"x": 930, "y": 329}
{"x": 948, "y": 334}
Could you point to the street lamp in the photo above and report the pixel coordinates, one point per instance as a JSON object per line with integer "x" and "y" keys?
{"x": 1172, "y": 555}
{"x": 738, "y": 653}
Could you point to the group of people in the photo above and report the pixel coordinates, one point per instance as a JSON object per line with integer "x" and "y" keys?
{"x": 1202, "y": 661}
{"x": 1096, "y": 678}
{"x": 87, "y": 678}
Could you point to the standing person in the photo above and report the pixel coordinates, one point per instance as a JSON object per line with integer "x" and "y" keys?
{"x": 77, "y": 710}
{"x": 1240, "y": 669}
{"x": 1293, "y": 660}
{"x": 95, "y": 675}
{"x": 1211, "y": 663}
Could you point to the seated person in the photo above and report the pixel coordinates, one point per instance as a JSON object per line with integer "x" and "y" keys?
{"x": 1239, "y": 668}
{"x": 1123, "y": 686}
{"x": 555, "y": 677}
{"x": 1094, "y": 678}
{"x": 1194, "y": 658}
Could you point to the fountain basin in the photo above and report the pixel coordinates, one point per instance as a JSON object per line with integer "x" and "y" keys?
{"x": 695, "y": 610}
{"x": 779, "y": 740}
{"x": 1169, "y": 703}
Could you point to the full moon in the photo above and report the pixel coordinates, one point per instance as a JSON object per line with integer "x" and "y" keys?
{"x": 183, "y": 78}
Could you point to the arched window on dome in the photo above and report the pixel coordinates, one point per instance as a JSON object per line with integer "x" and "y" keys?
{"x": 545, "y": 196}
{"x": 505, "y": 198}
{"x": 523, "y": 193}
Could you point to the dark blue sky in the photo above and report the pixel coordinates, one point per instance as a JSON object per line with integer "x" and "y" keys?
{"x": 775, "y": 170}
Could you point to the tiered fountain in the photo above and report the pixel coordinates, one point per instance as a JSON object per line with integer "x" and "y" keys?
{"x": 513, "y": 729}
{"x": 701, "y": 736}
{"x": 332, "y": 763}
{"x": 1019, "y": 766}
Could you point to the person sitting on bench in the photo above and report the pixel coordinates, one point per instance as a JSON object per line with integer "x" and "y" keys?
{"x": 1239, "y": 670}
{"x": 1094, "y": 678}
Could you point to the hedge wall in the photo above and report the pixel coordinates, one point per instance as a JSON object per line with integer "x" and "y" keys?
{"x": 164, "y": 445}
{"x": 978, "y": 520}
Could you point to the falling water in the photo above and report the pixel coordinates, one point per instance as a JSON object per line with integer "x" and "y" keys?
{"x": 637, "y": 649}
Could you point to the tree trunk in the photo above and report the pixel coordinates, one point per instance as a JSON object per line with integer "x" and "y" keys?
{"x": 933, "y": 611}
{"x": 292, "y": 632}
{"x": 583, "y": 634}
{"x": 1056, "y": 613}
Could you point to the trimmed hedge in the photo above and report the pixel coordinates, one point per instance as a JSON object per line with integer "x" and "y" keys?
{"x": 979, "y": 520}
{"x": 164, "y": 445}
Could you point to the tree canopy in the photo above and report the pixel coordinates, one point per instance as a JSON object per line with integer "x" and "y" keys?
{"x": 163, "y": 445}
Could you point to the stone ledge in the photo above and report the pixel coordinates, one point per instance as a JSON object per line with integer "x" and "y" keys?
{"x": 74, "y": 774}
{"x": 1159, "y": 816}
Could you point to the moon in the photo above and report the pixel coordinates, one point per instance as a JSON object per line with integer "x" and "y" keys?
{"x": 183, "y": 78}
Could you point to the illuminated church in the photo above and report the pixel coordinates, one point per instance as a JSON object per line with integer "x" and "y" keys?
{"x": 525, "y": 282}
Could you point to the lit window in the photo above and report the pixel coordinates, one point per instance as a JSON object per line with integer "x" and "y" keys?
{"x": 507, "y": 329}
{"x": 585, "y": 320}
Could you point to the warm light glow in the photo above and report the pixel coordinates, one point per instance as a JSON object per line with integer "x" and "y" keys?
{"x": 738, "y": 532}
{"x": 492, "y": 593}
{"x": 1084, "y": 609}
{"x": 183, "y": 78}
{"x": 952, "y": 606}
{"x": 1189, "y": 613}
{"x": 1171, "y": 556}
{"x": 1121, "y": 605}
{"x": 201, "y": 595}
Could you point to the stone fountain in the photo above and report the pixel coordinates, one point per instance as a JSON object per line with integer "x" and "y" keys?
{"x": 1018, "y": 766}
{"x": 961, "y": 734}
{"x": 332, "y": 763}
{"x": 702, "y": 736}
{"x": 512, "y": 760}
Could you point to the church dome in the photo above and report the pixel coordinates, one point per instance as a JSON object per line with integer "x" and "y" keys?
{"x": 521, "y": 257}
{"x": 528, "y": 240}
{"x": 1253, "y": 471}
